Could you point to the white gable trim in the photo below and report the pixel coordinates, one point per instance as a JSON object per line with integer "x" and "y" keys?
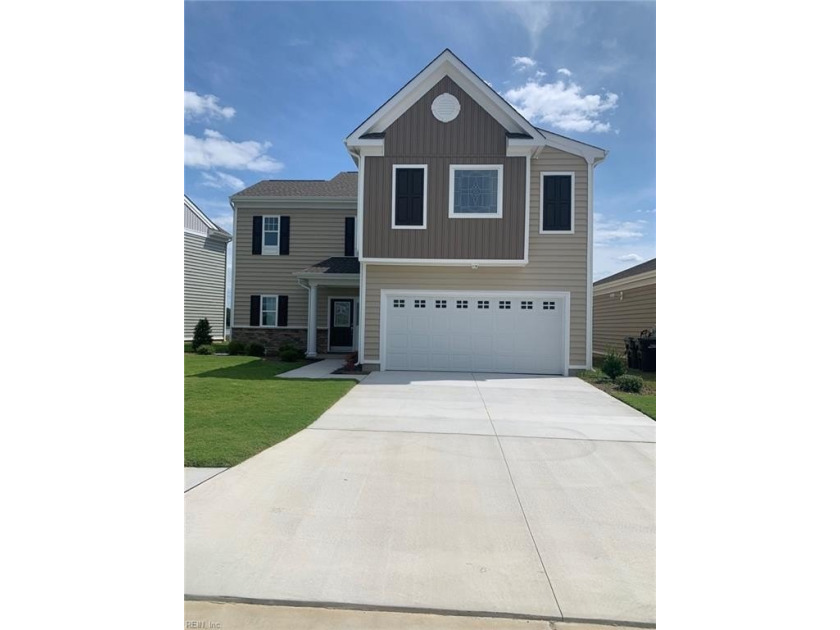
{"x": 194, "y": 209}
{"x": 586, "y": 151}
{"x": 446, "y": 64}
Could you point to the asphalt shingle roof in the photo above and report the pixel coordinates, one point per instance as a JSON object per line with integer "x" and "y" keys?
{"x": 650, "y": 265}
{"x": 337, "y": 264}
{"x": 342, "y": 185}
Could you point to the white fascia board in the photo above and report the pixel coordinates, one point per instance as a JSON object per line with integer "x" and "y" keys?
{"x": 296, "y": 203}
{"x": 625, "y": 284}
{"x": 450, "y": 262}
{"x": 445, "y": 64}
{"x": 586, "y": 151}
{"x": 197, "y": 212}
{"x": 372, "y": 151}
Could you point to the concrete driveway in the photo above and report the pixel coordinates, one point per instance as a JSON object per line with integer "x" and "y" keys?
{"x": 504, "y": 495}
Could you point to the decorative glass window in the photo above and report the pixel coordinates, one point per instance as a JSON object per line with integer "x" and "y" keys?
{"x": 484, "y": 304}
{"x": 440, "y": 303}
{"x": 419, "y": 303}
{"x": 271, "y": 235}
{"x": 548, "y": 306}
{"x": 526, "y": 305}
{"x": 399, "y": 303}
{"x": 268, "y": 315}
{"x": 475, "y": 191}
{"x": 461, "y": 304}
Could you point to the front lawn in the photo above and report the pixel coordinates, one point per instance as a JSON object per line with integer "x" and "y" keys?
{"x": 234, "y": 407}
{"x": 644, "y": 401}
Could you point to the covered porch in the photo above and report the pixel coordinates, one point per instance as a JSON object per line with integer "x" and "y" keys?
{"x": 333, "y": 287}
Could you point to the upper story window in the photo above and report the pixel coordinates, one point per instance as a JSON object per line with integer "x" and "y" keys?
{"x": 408, "y": 201}
{"x": 475, "y": 191}
{"x": 557, "y": 212}
{"x": 270, "y": 235}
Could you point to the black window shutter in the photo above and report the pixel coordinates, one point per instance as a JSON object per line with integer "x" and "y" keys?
{"x": 557, "y": 202}
{"x": 408, "y": 199}
{"x": 282, "y": 310}
{"x": 256, "y": 308}
{"x": 284, "y": 236}
{"x": 349, "y": 236}
{"x": 256, "y": 237}
{"x": 565, "y": 195}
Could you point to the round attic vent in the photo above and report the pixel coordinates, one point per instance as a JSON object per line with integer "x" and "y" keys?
{"x": 446, "y": 107}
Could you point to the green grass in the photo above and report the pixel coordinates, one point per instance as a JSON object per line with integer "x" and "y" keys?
{"x": 234, "y": 407}
{"x": 644, "y": 402}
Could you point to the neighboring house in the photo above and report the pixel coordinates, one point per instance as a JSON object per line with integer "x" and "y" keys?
{"x": 463, "y": 244}
{"x": 624, "y": 306}
{"x": 205, "y": 261}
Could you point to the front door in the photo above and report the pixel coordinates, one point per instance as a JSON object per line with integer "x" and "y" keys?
{"x": 341, "y": 325}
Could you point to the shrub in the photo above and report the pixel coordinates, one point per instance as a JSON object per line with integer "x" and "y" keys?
{"x": 188, "y": 346}
{"x": 205, "y": 349}
{"x": 350, "y": 361}
{"x": 202, "y": 334}
{"x": 221, "y": 347}
{"x": 629, "y": 383}
{"x": 255, "y": 350}
{"x": 613, "y": 365}
{"x": 236, "y": 347}
{"x": 290, "y": 354}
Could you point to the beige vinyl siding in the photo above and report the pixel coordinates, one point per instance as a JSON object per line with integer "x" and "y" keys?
{"x": 192, "y": 221}
{"x": 316, "y": 235}
{"x": 417, "y": 137}
{"x": 444, "y": 237}
{"x": 557, "y": 263}
{"x": 204, "y": 283}
{"x": 622, "y": 313}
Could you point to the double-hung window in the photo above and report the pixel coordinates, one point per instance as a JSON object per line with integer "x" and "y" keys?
{"x": 268, "y": 310}
{"x": 475, "y": 191}
{"x": 408, "y": 197}
{"x": 271, "y": 235}
{"x": 557, "y": 208}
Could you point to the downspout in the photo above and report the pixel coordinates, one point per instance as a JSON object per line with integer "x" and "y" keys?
{"x": 232, "y": 272}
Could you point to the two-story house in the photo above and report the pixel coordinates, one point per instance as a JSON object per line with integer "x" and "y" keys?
{"x": 463, "y": 244}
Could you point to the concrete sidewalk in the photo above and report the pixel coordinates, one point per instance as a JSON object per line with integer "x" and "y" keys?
{"x": 321, "y": 369}
{"x": 493, "y": 494}
{"x": 196, "y": 476}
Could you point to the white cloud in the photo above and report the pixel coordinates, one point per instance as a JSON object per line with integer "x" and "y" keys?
{"x": 610, "y": 230}
{"x": 539, "y": 74}
{"x": 534, "y": 18}
{"x": 216, "y": 151}
{"x": 224, "y": 221}
{"x": 562, "y": 105}
{"x": 523, "y": 62}
{"x": 565, "y": 71}
{"x": 197, "y": 107}
{"x": 630, "y": 258}
{"x": 217, "y": 179}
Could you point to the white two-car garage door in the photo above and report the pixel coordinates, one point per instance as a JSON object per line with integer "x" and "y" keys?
{"x": 481, "y": 331}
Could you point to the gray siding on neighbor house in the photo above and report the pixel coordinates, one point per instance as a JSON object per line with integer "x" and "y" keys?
{"x": 417, "y": 137}
{"x": 557, "y": 263}
{"x": 315, "y": 234}
{"x": 621, "y": 313}
{"x": 192, "y": 222}
{"x": 204, "y": 283}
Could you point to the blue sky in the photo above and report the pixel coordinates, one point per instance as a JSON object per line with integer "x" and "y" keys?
{"x": 272, "y": 89}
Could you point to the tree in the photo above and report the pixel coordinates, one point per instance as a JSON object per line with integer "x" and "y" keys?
{"x": 202, "y": 334}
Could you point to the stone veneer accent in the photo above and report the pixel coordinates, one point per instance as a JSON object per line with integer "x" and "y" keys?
{"x": 273, "y": 338}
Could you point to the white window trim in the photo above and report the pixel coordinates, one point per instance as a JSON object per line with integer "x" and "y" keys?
{"x": 499, "y": 168}
{"x": 275, "y": 249}
{"x": 394, "y": 225}
{"x": 542, "y": 189}
{"x": 276, "y": 311}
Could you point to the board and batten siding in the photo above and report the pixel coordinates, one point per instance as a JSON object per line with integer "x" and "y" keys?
{"x": 557, "y": 262}
{"x": 204, "y": 283}
{"x": 618, "y": 313}
{"x": 316, "y": 234}
{"x": 417, "y": 137}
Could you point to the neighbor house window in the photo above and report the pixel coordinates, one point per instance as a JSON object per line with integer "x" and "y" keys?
{"x": 557, "y": 213}
{"x": 408, "y": 200}
{"x": 271, "y": 235}
{"x": 269, "y": 311}
{"x": 475, "y": 191}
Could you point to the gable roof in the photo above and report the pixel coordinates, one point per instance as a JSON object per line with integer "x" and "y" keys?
{"x": 641, "y": 268}
{"x": 336, "y": 264}
{"x": 342, "y": 185}
{"x": 205, "y": 219}
{"x": 445, "y": 64}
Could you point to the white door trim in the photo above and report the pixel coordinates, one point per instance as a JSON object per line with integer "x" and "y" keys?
{"x": 386, "y": 294}
{"x": 353, "y": 328}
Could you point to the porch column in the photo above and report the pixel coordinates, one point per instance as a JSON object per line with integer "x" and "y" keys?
{"x": 312, "y": 325}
